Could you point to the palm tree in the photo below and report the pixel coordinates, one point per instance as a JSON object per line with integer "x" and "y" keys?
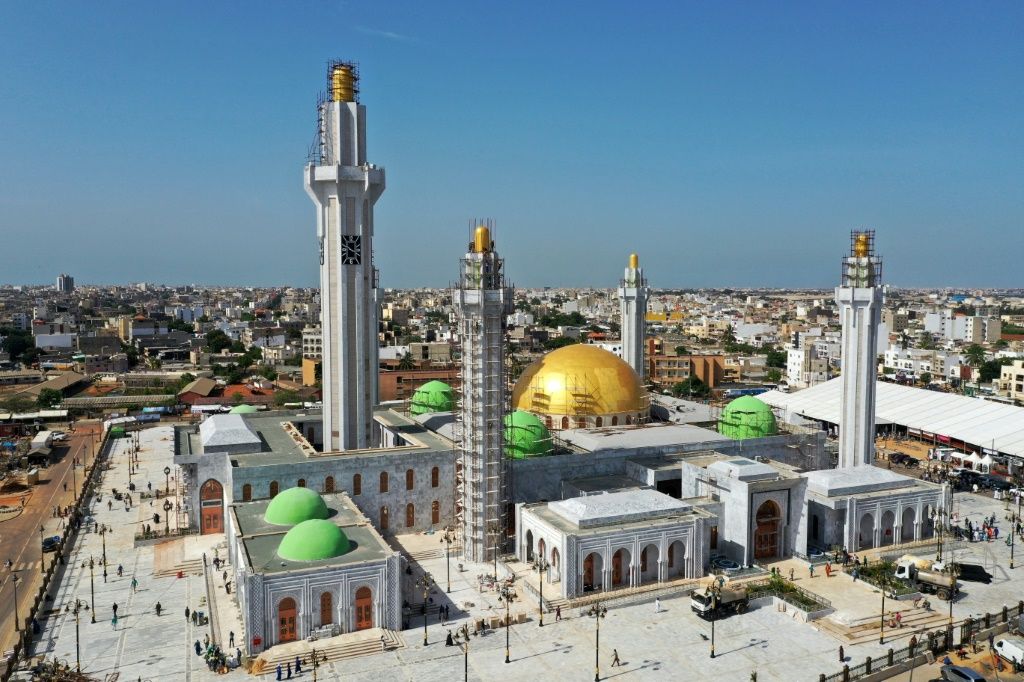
{"x": 975, "y": 355}
{"x": 406, "y": 362}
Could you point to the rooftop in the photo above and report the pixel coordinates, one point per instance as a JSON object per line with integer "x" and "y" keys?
{"x": 856, "y": 480}
{"x": 617, "y": 507}
{"x": 658, "y": 434}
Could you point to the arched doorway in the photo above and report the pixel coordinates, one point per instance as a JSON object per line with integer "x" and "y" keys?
{"x": 866, "y": 532}
{"x": 329, "y": 484}
{"x": 529, "y": 545}
{"x": 302, "y": 483}
{"x": 435, "y": 512}
{"x": 274, "y": 488}
{"x": 541, "y": 547}
{"x": 211, "y": 503}
{"x": 649, "y": 564}
{"x": 766, "y": 536}
{"x": 554, "y": 564}
{"x": 383, "y": 518}
{"x": 246, "y": 493}
{"x": 364, "y": 608}
{"x": 410, "y": 515}
{"x": 907, "y": 525}
{"x": 286, "y": 620}
{"x": 326, "y": 610}
{"x": 888, "y": 528}
{"x": 676, "y": 560}
{"x": 927, "y": 522}
{"x": 593, "y": 567}
{"x": 620, "y": 568}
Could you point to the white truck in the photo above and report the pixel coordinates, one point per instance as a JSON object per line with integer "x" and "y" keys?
{"x": 43, "y": 439}
{"x": 927, "y": 575}
{"x": 706, "y": 603}
{"x": 1011, "y": 649}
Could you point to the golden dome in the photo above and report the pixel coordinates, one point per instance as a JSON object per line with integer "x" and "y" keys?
{"x": 581, "y": 380}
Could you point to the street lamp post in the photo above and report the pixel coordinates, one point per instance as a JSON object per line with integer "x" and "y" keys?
{"x": 78, "y": 650}
{"x": 598, "y": 611}
{"x": 92, "y": 590}
{"x": 881, "y": 634}
{"x": 42, "y": 553}
{"x": 542, "y": 569}
{"x": 508, "y": 596}
{"x": 448, "y": 537}
{"x": 167, "y": 480}
{"x": 425, "y": 583}
{"x": 464, "y": 631}
{"x": 167, "y": 516}
{"x": 937, "y": 523}
{"x": 103, "y": 538}
{"x": 316, "y": 658}
{"x": 1014, "y": 520}
{"x": 494, "y": 529}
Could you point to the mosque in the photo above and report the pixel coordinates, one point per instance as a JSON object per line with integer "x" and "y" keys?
{"x": 577, "y": 469}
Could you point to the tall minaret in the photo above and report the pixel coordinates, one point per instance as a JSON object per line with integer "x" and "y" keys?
{"x": 633, "y": 293}
{"x": 860, "y": 309}
{"x": 483, "y": 300}
{"x": 344, "y": 188}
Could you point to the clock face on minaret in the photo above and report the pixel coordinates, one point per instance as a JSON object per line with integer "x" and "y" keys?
{"x": 351, "y": 249}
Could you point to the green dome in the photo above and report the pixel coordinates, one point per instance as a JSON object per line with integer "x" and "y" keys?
{"x": 313, "y": 540}
{"x": 747, "y": 417}
{"x": 526, "y": 435}
{"x": 242, "y": 409}
{"x": 295, "y": 505}
{"x": 433, "y": 396}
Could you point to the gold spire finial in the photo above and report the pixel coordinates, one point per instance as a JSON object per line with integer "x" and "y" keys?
{"x": 482, "y": 239}
{"x": 862, "y": 245}
{"x": 343, "y": 83}
{"x": 634, "y": 261}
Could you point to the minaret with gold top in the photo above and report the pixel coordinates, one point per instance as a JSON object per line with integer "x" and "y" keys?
{"x": 860, "y": 298}
{"x": 344, "y": 188}
{"x": 482, "y": 300}
{"x": 633, "y": 294}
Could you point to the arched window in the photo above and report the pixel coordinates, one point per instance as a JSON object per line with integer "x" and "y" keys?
{"x": 357, "y": 484}
{"x": 581, "y": 422}
{"x": 246, "y": 492}
{"x": 435, "y": 512}
{"x": 274, "y": 487}
{"x": 599, "y": 422}
{"x": 302, "y": 483}
{"x": 565, "y": 422}
{"x": 615, "y": 420}
{"x": 383, "y": 481}
{"x": 409, "y": 479}
{"x": 383, "y": 518}
{"x": 410, "y": 515}
{"x": 435, "y": 477}
{"x": 329, "y": 484}
{"x": 548, "y": 422}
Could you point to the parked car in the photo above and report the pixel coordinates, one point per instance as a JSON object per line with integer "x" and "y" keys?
{"x": 958, "y": 673}
{"x": 974, "y": 573}
{"x": 1011, "y": 648}
{"x": 994, "y": 482}
{"x": 50, "y": 544}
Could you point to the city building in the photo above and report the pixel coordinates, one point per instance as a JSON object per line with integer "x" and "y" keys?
{"x": 65, "y": 284}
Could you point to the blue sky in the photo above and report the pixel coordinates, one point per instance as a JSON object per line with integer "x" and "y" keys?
{"x": 730, "y": 144}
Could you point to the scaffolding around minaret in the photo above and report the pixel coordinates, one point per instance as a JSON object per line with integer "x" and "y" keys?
{"x": 482, "y": 301}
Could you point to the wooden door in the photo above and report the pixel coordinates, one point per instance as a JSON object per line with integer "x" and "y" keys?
{"x": 364, "y": 608}
{"x": 211, "y": 505}
{"x": 286, "y": 620}
{"x": 588, "y": 572}
{"x": 617, "y": 568}
{"x": 326, "y": 612}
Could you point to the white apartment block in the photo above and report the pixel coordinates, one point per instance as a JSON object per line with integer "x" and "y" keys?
{"x": 312, "y": 343}
{"x": 1011, "y": 380}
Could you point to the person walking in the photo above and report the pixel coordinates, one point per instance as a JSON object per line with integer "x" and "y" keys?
{"x": 279, "y": 671}
{"x": 791, "y": 573}
{"x": 657, "y": 605}
{"x": 120, "y": 570}
{"x": 810, "y": 568}
{"x": 199, "y": 649}
{"x": 114, "y": 608}
{"x": 842, "y": 654}
{"x": 195, "y": 618}
{"x": 188, "y": 612}
{"x": 135, "y": 584}
{"x": 231, "y": 638}
{"x": 298, "y": 665}
{"x": 113, "y": 622}
{"x": 288, "y": 670}
{"x": 558, "y": 613}
{"x": 615, "y": 658}
{"x": 158, "y": 609}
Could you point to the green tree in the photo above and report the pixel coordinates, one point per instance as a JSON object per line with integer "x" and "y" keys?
{"x": 975, "y": 355}
{"x": 17, "y": 404}
{"x": 284, "y": 396}
{"x": 48, "y": 397}
{"x": 926, "y": 378}
{"x": 924, "y": 341}
{"x": 681, "y": 350}
{"x": 216, "y": 341}
{"x": 773, "y": 375}
{"x": 406, "y": 362}
{"x": 559, "y": 342}
{"x": 990, "y": 371}
{"x": 236, "y": 397}
{"x": 775, "y": 358}
{"x": 691, "y": 387}
{"x": 237, "y": 347}
{"x": 267, "y": 372}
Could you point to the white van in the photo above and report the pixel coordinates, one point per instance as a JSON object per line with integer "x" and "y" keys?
{"x": 1011, "y": 648}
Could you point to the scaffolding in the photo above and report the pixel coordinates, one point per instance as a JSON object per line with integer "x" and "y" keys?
{"x": 482, "y": 301}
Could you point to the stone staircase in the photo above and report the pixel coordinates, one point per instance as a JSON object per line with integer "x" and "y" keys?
{"x": 342, "y": 647}
{"x": 862, "y": 630}
{"x": 187, "y": 567}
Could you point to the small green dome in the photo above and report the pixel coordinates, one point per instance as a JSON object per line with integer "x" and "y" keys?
{"x": 526, "y": 435}
{"x": 433, "y": 396}
{"x": 747, "y": 417}
{"x": 295, "y": 505}
{"x": 313, "y": 540}
{"x": 242, "y": 409}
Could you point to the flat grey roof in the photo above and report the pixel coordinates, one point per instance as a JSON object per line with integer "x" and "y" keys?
{"x": 607, "y": 508}
{"x": 856, "y": 480}
{"x": 645, "y": 435}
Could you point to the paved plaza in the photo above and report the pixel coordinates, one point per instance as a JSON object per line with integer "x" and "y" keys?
{"x": 666, "y": 645}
